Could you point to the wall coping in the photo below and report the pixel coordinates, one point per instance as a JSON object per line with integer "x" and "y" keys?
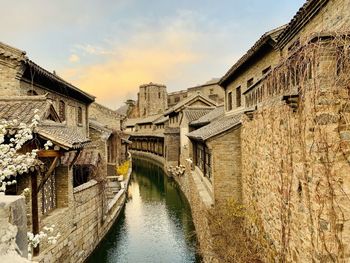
{"x": 204, "y": 190}
{"x": 85, "y": 186}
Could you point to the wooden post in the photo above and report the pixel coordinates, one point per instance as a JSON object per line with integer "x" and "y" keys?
{"x": 35, "y": 212}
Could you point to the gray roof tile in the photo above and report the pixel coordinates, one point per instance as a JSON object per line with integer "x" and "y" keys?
{"x": 216, "y": 127}
{"x": 196, "y": 113}
{"x": 209, "y": 117}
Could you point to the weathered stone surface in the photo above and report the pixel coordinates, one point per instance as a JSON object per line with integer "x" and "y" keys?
{"x": 13, "y": 227}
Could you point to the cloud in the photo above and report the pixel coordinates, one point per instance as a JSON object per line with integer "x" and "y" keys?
{"x": 92, "y": 50}
{"x": 74, "y": 58}
{"x": 160, "y": 54}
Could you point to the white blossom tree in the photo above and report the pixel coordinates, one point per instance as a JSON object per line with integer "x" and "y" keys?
{"x": 13, "y": 136}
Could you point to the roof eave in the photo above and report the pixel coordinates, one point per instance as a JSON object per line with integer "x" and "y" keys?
{"x": 88, "y": 98}
{"x": 300, "y": 19}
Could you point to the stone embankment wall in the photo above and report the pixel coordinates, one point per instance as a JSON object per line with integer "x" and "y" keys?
{"x": 84, "y": 225}
{"x": 198, "y": 196}
{"x": 200, "y": 200}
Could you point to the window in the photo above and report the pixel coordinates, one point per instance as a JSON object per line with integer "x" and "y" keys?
{"x": 238, "y": 96}
{"x": 158, "y": 95}
{"x": 80, "y": 115}
{"x": 266, "y": 70}
{"x": 49, "y": 196}
{"x": 250, "y": 82}
{"x": 211, "y": 91}
{"x": 177, "y": 99}
{"x": 229, "y": 101}
{"x": 202, "y": 158}
{"x": 62, "y": 110}
{"x": 81, "y": 174}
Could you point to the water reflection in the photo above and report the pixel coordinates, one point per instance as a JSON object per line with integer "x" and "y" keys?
{"x": 155, "y": 226}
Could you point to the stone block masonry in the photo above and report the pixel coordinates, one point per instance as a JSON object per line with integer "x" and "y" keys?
{"x": 13, "y": 229}
{"x": 83, "y": 225}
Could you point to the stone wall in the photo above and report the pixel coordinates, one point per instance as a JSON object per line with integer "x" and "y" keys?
{"x": 105, "y": 115}
{"x": 82, "y": 225}
{"x": 9, "y": 75}
{"x": 226, "y": 165}
{"x": 175, "y": 97}
{"x": 296, "y": 161}
{"x": 211, "y": 91}
{"x": 199, "y": 198}
{"x": 152, "y": 99}
{"x": 13, "y": 229}
{"x": 172, "y": 146}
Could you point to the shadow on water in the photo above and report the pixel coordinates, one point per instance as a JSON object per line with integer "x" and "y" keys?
{"x": 155, "y": 225}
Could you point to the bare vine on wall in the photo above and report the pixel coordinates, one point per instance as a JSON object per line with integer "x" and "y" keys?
{"x": 296, "y": 157}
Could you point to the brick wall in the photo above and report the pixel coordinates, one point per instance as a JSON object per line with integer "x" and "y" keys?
{"x": 226, "y": 165}
{"x": 104, "y": 115}
{"x": 172, "y": 146}
{"x": 297, "y": 163}
{"x": 82, "y": 225}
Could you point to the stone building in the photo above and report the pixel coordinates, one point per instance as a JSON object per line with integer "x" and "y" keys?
{"x": 147, "y": 134}
{"x": 21, "y": 76}
{"x": 176, "y": 96}
{"x": 210, "y": 89}
{"x": 223, "y": 168}
{"x": 152, "y": 99}
{"x": 105, "y": 118}
{"x": 66, "y": 186}
{"x": 283, "y": 126}
{"x": 180, "y": 115}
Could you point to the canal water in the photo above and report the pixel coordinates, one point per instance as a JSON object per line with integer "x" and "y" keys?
{"x": 155, "y": 226}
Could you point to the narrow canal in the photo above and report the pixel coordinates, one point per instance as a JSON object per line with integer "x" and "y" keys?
{"x": 155, "y": 226}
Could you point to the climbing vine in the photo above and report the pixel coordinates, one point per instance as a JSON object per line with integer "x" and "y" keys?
{"x": 296, "y": 152}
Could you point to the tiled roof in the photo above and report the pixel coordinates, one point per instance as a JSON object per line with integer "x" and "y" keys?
{"x": 270, "y": 35}
{"x": 187, "y": 100}
{"x": 216, "y": 127}
{"x": 149, "y": 119}
{"x": 57, "y": 84}
{"x": 86, "y": 157}
{"x": 131, "y": 122}
{"x": 304, "y": 14}
{"x": 195, "y": 113}
{"x": 147, "y": 134}
{"x": 22, "y": 108}
{"x": 161, "y": 120}
{"x": 67, "y": 137}
{"x": 100, "y": 127}
{"x": 212, "y": 115}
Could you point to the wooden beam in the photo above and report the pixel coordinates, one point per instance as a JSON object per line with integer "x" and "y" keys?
{"x": 49, "y": 172}
{"x": 35, "y": 212}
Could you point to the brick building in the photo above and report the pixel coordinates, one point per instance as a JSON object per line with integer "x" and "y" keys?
{"x": 284, "y": 122}
{"x": 66, "y": 184}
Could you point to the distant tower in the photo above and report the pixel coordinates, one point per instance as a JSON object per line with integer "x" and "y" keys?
{"x": 152, "y": 99}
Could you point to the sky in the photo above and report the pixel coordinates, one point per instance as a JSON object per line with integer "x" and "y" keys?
{"x": 108, "y": 48}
